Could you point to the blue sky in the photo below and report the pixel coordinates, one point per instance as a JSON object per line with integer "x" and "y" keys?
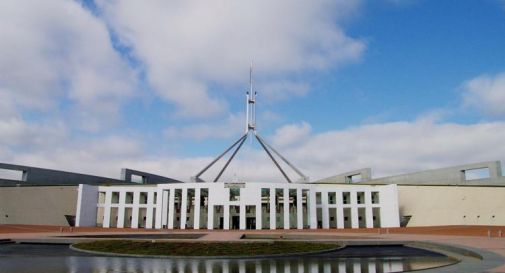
{"x": 398, "y": 86}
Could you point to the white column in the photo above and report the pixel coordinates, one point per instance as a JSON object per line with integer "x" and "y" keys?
{"x": 226, "y": 217}
{"x": 357, "y": 268}
{"x": 354, "y": 210}
{"x": 106, "y": 209}
{"x": 87, "y": 206}
{"x": 135, "y": 209}
{"x": 257, "y": 267}
{"x": 368, "y": 209}
{"x": 327, "y": 268}
{"x": 208, "y": 265}
{"x": 241, "y": 266}
{"x": 242, "y": 215}
{"x": 341, "y": 267}
{"x": 159, "y": 209}
{"x": 287, "y": 267}
{"x": 180, "y": 266}
{"x": 273, "y": 266}
{"x": 340, "y": 210}
{"x": 299, "y": 209}
{"x": 164, "y": 206}
{"x": 210, "y": 216}
{"x": 273, "y": 209}
{"x": 371, "y": 267}
{"x": 286, "y": 207}
{"x": 121, "y": 209}
{"x": 312, "y": 209}
{"x": 300, "y": 266}
{"x": 259, "y": 221}
{"x": 196, "y": 214}
{"x": 150, "y": 207}
{"x": 324, "y": 210}
{"x": 184, "y": 207}
{"x": 226, "y": 266}
{"x": 171, "y": 208}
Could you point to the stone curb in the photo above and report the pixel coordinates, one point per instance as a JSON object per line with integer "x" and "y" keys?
{"x": 444, "y": 247}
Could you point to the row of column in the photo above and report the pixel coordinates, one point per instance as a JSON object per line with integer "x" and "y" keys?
{"x": 166, "y": 199}
{"x": 121, "y": 206}
{"x": 257, "y": 266}
{"x": 353, "y": 206}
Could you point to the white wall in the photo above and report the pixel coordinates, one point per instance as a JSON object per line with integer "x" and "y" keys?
{"x": 86, "y": 212}
{"x": 250, "y": 195}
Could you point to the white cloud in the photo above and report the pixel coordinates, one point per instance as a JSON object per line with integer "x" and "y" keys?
{"x": 389, "y": 148}
{"x": 55, "y": 51}
{"x": 486, "y": 93}
{"x": 291, "y": 134}
{"x": 17, "y": 133}
{"x": 222, "y": 129}
{"x": 188, "y": 46}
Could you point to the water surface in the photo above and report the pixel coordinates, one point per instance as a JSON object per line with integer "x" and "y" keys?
{"x": 59, "y": 259}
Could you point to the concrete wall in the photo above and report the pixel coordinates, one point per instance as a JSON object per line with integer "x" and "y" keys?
{"x": 37, "y": 205}
{"x": 447, "y": 176}
{"x": 452, "y": 205}
{"x": 366, "y": 175}
{"x": 86, "y": 215}
{"x": 31, "y": 176}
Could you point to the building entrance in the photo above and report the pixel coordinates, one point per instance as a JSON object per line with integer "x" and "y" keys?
{"x": 235, "y": 222}
{"x": 250, "y": 223}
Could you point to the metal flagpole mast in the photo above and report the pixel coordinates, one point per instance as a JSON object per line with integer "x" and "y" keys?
{"x": 250, "y": 126}
{"x": 251, "y": 104}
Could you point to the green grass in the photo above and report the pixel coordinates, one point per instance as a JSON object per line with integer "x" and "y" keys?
{"x": 203, "y": 248}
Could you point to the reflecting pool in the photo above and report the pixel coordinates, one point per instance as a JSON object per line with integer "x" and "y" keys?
{"x": 37, "y": 258}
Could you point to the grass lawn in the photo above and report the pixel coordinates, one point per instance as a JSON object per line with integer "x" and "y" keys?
{"x": 203, "y": 248}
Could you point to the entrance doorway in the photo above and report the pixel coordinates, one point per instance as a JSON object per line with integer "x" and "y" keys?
{"x": 235, "y": 222}
{"x": 251, "y": 223}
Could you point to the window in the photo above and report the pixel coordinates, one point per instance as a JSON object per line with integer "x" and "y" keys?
{"x": 361, "y": 197}
{"x": 101, "y": 197}
{"x": 375, "y": 197}
{"x": 292, "y": 197}
{"x": 143, "y": 198}
{"x": 138, "y": 179}
{"x": 474, "y": 174}
{"x": 353, "y": 178}
{"x": 346, "y": 197}
{"x": 332, "y": 198}
{"x": 11, "y": 174}
{"x": 115, "y": 198}
{"x": 234, "y": 194}
{"x": 265, "y": 198}
{"x": 129, "y": 198}
{"x": 318, "y": 198}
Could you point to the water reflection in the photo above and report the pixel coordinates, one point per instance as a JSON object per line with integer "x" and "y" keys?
{"x": 308, "y": 265}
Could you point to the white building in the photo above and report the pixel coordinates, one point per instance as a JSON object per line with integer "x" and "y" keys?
{"x": 470, "y": 194}
{"x": 238, "y": 206}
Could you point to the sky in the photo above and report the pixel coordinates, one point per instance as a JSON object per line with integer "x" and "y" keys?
{"x": 159, "y": 86}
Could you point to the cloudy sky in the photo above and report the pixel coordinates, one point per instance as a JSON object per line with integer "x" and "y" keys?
{"x": 395, "y": 85}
